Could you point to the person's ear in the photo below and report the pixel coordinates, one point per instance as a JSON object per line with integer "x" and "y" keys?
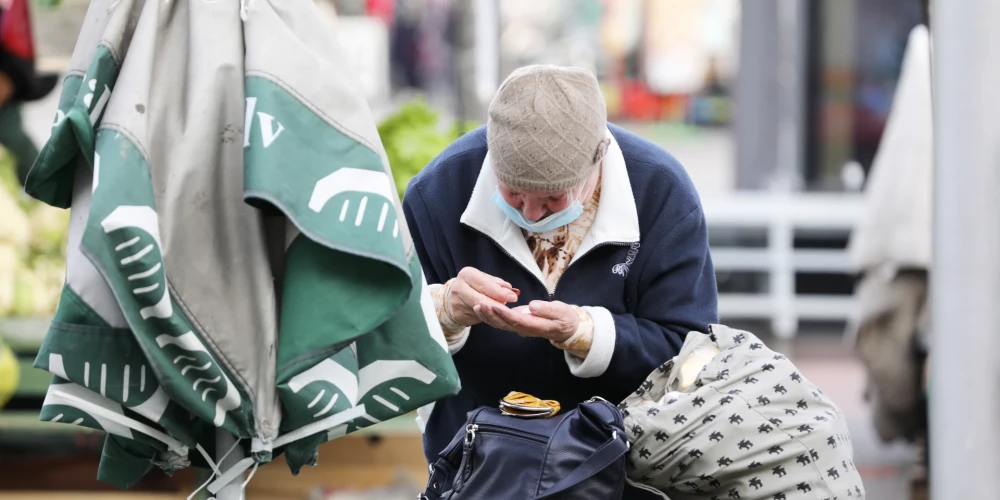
{"x": 602, "y": 150}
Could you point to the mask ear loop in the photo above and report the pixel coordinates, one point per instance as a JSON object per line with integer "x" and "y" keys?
{"x": 215, "y": 468}
{"x": 597, "y": 177}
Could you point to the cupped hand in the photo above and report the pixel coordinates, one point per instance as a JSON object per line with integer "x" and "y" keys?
{"x": 555, "y": 321}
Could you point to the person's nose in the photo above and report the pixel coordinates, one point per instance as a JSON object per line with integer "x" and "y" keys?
{"x": 533, "y": 211}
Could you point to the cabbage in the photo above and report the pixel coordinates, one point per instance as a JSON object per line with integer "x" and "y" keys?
{"x": 9, "y": 373}
{"x": 49, "y": 226}
{"x": 29, "y": 295}
{"x": 51, "y": 275}
{"x": 33, "y": 240}
{"x": 8, "y": 173}
{"x": 9, "y": 263}
{"x": 412, "y": 137}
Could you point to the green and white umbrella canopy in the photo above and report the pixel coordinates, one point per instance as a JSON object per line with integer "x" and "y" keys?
{"x": 181, "y": 126}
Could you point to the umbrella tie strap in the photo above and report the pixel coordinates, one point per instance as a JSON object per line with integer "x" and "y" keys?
{"x": 172, "y": 443}
{"x": 212, "y": 464}
{"x": 135, "y": 425}
{"x": 230, "y": 475}
{"x": 320, "y": 426}
{"x": 307, "y": 430}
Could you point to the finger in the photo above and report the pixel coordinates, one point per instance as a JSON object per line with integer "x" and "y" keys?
{"x": 491, "y": 286}
{"x": 562, "y": 318}
{"x": 487, "y": 314}
{"x": 503, "y": 318}
{"x": 466, "y": 294}
{"x": 469, "y": 296}
{"x": 521, "y": 309}
{"x": 470, "y": 274}
{"x": 551, "y": 310}
{"x": 525, "y": 324}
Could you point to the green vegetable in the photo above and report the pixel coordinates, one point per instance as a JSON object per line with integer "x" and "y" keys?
{"x": 9, "y": 263}
{"x": 33, "y": 239}
{"x": 27, "y": 292}
{"x": 48, "y": 4}
{"x": 412, "y": 137}
{"x": 9, "y": 373}
{"x": 10, "y": 183}
{"x": 14, "y": 226}
{"x": 49, "y": 226}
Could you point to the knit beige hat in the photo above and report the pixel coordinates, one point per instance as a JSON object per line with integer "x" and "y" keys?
{"x": 547, "y": 128}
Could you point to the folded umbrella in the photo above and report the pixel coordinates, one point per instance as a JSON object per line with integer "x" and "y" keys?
{"x": 182, "y": 125}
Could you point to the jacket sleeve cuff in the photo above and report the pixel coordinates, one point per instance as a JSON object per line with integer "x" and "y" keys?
{"x": 454, "y": 333}
{"x": 601, "y": 349}
{"x": 456, "y": 344}
{"x": 579, "y": 344}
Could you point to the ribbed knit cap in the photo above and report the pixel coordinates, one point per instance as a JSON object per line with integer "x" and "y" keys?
{"x": 547, "y": 128}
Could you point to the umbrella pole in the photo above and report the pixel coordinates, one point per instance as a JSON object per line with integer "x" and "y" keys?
{"x": 274, "y": 227}
{"x": 224, "y": 441}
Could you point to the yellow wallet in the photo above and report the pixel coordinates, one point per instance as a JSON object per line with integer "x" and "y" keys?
{"x": 519, "y": 404}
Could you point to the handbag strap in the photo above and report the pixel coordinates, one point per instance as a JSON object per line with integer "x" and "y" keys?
{"x": 600, "y": 460}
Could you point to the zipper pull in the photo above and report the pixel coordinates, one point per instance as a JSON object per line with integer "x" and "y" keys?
{"x": 465, "y": 467}
{"x": 470, "y": 434}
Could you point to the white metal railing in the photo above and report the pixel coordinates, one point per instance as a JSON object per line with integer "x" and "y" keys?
{"x": 781, "y": 215}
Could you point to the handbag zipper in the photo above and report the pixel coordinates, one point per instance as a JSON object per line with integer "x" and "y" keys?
{"x": 465, "y": 466}
{"x": 472, "y": 429}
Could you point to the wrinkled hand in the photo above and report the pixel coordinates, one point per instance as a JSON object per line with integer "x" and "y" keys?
{"x": 472, "y": 287}
{"x": 554, "y": 321}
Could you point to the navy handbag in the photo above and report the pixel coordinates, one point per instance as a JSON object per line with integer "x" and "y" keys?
{"x": 579, "y": 454}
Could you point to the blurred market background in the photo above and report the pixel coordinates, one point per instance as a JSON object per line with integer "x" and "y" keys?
{"x": 812, "y": 80}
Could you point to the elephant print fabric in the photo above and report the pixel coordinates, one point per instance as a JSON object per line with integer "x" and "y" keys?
{"x": 748, "y": 426}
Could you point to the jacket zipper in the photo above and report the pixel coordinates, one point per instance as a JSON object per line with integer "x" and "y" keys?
{"x": 576, "y": 259}
{"x": 555, "y": 288}
{"x": 511, "y": 257}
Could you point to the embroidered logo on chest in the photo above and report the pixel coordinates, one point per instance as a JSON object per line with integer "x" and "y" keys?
{"x": 622, "y": 268}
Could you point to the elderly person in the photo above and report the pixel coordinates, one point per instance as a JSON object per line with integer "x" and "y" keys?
{"x": 568, "y": 257}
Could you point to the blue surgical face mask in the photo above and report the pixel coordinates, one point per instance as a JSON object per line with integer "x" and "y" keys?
{"x": 554, "y": 221}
